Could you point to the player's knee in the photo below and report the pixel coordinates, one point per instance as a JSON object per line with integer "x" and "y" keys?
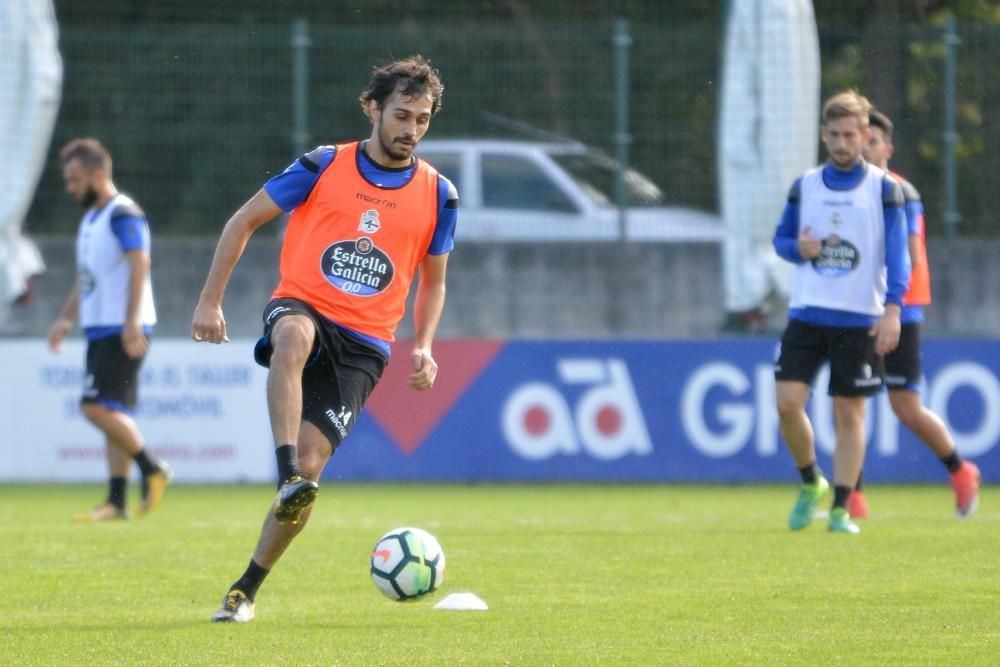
{"x": 848, "y": 413}
{"x": 292, "y": 340}
{"x": 789, "y": 406}
{"x": 907, "y": 409}
{"x": 790, "y": 399}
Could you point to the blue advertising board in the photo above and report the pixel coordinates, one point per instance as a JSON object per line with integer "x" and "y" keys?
{"x": 645, "y": 411}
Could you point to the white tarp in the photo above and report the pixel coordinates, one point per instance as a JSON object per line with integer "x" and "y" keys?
{"x": 201, "y": 407}
{"x": 30, "y": 85}
{"x": 768, "y": 135}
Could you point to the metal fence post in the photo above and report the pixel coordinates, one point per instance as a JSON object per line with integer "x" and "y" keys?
{"x": 622, "y": 43}
{"x": 951, "y": 215}
{"x": 300, "y": 86}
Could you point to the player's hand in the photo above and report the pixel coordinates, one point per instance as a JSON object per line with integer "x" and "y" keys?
{"x": 425, "y": 369}
{"x": 134, "y": 340}
{"x": 208, "y": 325}
{"x": 59, "y": 330}
{"x": 808, "y": 246}
{"x": 886, "y": 331}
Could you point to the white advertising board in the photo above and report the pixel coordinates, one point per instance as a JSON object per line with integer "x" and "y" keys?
{"x": 201, "y": 407}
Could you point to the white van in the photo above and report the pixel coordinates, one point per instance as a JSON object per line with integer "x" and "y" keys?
{"x": 561, "y": 191}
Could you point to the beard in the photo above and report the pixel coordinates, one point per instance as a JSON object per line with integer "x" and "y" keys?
{"x": 89, "y": 198}
{"x": 844, "y": 160}
{"x": 389, "y": 148}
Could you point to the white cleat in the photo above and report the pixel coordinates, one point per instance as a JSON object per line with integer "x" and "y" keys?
{"x": 236, "y": 608}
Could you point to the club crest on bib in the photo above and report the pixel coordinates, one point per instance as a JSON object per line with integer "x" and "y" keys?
{"x": 837, "y": 258}
{"x": 87, "y": 281}
{"x": 369, "y": 222}
{"x": 357, "y": 267}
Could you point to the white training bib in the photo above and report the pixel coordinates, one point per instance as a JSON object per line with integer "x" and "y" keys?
{"x": 850, "y": 273}
{"x": 104, "y": 271}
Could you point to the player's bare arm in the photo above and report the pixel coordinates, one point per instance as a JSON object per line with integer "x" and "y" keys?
{"x": 133, "y": 337}
{"x": 208, "y": 324}
{"x": 427, "y": 310}
{"x": 64, "y": 322}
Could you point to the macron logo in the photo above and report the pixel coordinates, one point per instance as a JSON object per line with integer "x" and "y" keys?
{"x": 340, "y": 420}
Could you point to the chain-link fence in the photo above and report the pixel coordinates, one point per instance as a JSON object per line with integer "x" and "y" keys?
{"x": 197, "y": 106}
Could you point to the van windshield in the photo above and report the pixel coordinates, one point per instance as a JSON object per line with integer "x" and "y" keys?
{"x": 596, "y": 174}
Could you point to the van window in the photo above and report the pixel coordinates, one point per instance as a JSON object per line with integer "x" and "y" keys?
{"x": 514, "y": 182}
{"x": 449, "y": 165}
{"x": 597, "y": 174}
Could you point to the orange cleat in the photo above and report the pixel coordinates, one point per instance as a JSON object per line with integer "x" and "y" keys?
{"x": 857, "y": 505}
{"x": 965, "y": 481}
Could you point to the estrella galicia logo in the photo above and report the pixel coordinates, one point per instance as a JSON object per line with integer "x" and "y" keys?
{"x": 837, "y": 258}
{"x": 357, "y": 267}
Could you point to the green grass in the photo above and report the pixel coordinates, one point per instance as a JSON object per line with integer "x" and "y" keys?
{"x": 574, "y": 575}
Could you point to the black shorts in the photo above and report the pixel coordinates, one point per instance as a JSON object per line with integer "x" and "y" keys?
{"x": 341, "y": 372}
{"x": 855, "y": 369}
{"x": 903, "y": 365}
{"x": 112, "y": 376}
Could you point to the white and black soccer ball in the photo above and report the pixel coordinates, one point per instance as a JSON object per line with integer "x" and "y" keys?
{"x": 407, "y": 563}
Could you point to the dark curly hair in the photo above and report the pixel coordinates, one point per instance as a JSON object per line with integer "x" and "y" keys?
{"x": 413, "y": 77}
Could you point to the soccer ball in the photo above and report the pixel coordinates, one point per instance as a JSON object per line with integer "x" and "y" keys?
{"x": 407, "y": 563}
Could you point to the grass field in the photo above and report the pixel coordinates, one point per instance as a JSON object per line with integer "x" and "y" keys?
{"x": 574, "y": 575}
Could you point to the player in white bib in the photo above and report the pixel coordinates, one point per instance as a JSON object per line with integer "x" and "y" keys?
{"x": 845, "y": 231}
{"x": 113, "y": 300}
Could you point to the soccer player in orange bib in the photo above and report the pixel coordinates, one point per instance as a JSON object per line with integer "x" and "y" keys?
{"x": 902, "y": 365}
{"x": 365, "y": 218}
